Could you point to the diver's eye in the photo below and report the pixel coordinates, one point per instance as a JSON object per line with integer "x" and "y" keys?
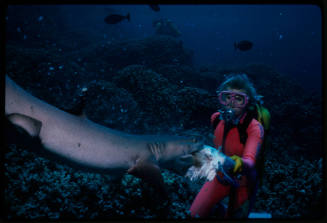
{"x": 239, "y": 98}
{"x": 228, "y": 97}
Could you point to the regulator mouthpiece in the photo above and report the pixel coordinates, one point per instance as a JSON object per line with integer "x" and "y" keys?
{"x": 228, "y": 115}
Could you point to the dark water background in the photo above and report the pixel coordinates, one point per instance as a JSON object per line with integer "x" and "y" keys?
{"x": 287, "y": 37}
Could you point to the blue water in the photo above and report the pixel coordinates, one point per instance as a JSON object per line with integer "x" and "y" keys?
{"x": 286, "y": 37}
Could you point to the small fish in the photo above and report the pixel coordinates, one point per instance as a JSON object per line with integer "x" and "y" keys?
{"x": 243, "y": 45}
{"x": 115, "y": 18}
{"x": 155, "y": 7}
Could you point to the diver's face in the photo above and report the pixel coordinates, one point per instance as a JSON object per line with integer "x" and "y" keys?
{"x": 234, "y": 102}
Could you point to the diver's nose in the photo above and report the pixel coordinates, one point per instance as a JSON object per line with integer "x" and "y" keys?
{"x": 232, "y": 103}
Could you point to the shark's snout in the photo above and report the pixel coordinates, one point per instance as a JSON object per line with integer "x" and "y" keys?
{"x": 196, "y": 147}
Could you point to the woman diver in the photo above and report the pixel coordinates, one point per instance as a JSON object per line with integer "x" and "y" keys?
{"x": 239, "y": 103}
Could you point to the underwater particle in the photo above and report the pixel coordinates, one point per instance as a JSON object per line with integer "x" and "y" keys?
{"x": 280, "y": 36}
{"x": 105, "y": 36}
{"x": 40, "y": 18}
{"x": 25, "y": 36}
{"x": 59, "y": 49}
{"x": 7, "y": 18}
{"x": 280, "y": 13}
{"x": 51, "y": 68}
{"x": 302, "y": 191}
{"x": 19, "y": 29}
{"x": 60, "y": 67}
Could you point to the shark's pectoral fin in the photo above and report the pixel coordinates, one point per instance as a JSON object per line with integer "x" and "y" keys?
{"x": 31, "y": 125}
{"x": 149, "y": 172}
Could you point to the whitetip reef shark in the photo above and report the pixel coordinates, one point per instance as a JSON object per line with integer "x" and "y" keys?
{"x": 80, "y": 140}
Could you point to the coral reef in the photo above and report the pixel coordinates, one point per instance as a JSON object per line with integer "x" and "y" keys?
{"x": 39, "y": 188}
{"x": 151, "y": 51}
{"x": 298, "y": 182}
{"x": 150, "y": 86}
{"x": 112, "y": 106}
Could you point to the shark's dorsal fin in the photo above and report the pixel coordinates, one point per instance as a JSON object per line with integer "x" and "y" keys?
{"x": 79, "y": 109}
{"x": 30, "y": 125}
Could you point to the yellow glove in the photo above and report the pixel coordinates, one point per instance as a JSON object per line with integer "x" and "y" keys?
{"x": 238, "y": 163}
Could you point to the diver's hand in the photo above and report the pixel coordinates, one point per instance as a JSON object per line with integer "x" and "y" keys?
{"x": 238, "y": 164}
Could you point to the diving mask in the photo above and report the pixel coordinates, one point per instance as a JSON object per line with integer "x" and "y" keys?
{"x": 236, "y": 99}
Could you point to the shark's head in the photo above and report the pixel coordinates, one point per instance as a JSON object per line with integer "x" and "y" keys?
{"x": 181, "y": 147}
{"x": 178, "y": 154}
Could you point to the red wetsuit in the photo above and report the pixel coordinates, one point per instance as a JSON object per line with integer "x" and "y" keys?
{"x": 213, "y": 191}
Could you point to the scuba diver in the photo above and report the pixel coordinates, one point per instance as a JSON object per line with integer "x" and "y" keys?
{"x": 239, "y": 128}
{"x": 166, "y": 27}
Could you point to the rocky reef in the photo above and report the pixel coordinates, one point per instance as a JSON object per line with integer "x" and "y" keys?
{"x": 150, "y": 86}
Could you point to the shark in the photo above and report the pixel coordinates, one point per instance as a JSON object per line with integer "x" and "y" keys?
{"x": 80, "y": 140}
